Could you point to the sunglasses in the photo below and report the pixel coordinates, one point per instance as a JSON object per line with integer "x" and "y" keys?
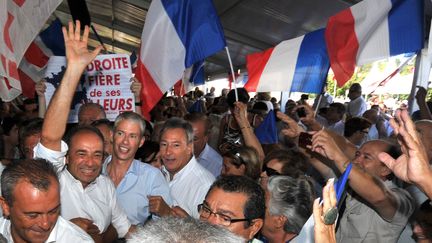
{"x": 270, "y": 172}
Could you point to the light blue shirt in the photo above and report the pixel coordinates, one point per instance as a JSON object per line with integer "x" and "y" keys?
{"x": 141, "y": 180}
{"x": 211, "y": 160}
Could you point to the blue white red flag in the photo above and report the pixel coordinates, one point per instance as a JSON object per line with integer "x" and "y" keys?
{"x": 373, "y": 30}
{"x": 48, "y": 43}
{"x": 300, "y": 64}
{"x": 176, "y": 35}
{"x": 20, "y": 22}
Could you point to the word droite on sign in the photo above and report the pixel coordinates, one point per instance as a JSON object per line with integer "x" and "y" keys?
{"x": 108, "y": 64}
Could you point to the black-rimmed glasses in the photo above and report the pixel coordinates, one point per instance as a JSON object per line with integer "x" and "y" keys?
{"x": 225, "y": 220}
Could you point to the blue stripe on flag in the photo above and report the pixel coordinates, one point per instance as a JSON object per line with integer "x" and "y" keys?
{"x": 406, "y": 28}
{"x": 197, "y": 77}
{"x": 52, "y": 37}
{"x": 266, "y": 132}
{"x": 198, "y": 27}
{"x": 312, "y": 65}
{"x": 340, "y": 184}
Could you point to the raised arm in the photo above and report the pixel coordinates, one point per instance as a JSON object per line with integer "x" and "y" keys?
{"x": 40, "y": 88}
{"x": 78, "y": 57}
{"x": 412, "y": 166}
{"x": 371, "y": 188}
{"x": 250, "y": 139}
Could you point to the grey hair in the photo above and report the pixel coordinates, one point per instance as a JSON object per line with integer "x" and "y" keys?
{"x": 175, "y": 122}
{"x": 292, "y": 198}
{"x": 184, "y": 230}
{"x": 132, "y": 116}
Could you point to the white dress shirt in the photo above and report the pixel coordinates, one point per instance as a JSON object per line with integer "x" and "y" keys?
{"x": 96, "y": 202}
{"x": 189, "y": 186}
{"x": 211, "y": 160}
{"x": 63, "y": 232}
{"x": 357, "y": 107}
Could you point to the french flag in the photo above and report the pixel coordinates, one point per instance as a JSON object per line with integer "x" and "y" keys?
{"x": 31, "y": 70}
{"x": 299, "y": 65}
{"x": 373, "y": 30}
{"x": 176, "y": 35}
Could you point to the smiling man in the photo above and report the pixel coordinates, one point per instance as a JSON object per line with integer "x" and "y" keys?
{"x": 31, "y": 205}
{"x": 188, "y": 180}
{"x": 88, "y": 198}
{"x": 135, "y": 181}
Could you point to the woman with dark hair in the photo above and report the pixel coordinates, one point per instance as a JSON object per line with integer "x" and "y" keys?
{"x": 242, "y": 161}
{"x": 237, "y": 128}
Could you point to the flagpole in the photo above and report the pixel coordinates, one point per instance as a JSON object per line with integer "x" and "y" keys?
{"x": 232, "y": 72}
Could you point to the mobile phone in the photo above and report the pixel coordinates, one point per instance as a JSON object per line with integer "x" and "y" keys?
{"x": 301, "y": 112}
{"x": 305, "y": 139}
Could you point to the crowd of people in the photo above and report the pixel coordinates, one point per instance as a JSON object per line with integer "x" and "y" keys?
{"x": 197, "y": 172}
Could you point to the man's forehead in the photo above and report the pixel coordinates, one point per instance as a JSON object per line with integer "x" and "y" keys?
{"x": 374, "y": 147}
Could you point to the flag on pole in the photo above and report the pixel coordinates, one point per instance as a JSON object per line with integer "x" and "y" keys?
{"x": 20, "y": 22}
{"x": 176, "y": 35}
{"x": 373, "y": 30}
{"x": 300, "y": 64}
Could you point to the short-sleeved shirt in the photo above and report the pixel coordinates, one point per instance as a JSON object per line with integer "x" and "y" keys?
{"x": 360, "y": 223}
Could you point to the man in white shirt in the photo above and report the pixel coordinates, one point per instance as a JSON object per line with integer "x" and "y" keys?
{"x": 31, "y": 205}
{"x": 357, "y": 106}
{"x": 204, "y": 154}
{"x": 88, "y": 199}
{"x": 188, "y": 180}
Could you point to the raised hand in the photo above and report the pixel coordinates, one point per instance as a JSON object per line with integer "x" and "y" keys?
{"x": 412, "y": 166}
{"x": 325, "y": 233}
{"x": 324, "y": 144}
{"x": 77, "y": 53}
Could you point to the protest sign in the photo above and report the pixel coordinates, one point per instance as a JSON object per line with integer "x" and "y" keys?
{"x": 106, "y": 81}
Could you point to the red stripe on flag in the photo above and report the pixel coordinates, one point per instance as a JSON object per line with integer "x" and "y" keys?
{"x": 179, "y": 89}
{"x": 36, "y": 56}
{"x": 19, "y": 2}
{"x": 27, "y": 85}
{"x": 150, "y": 92}
{"x": 6, "y": 81}
{"x": 3, "y": 61}
{"x": 13, "y": 70}
{"x": 256, "y": 63}
{"x": 342, "y": 45}
{"x": 6, "y": 35}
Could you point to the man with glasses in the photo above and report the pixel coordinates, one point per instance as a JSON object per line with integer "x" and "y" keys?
{"x": 236, "y": 203}
{"x": 356, "y": 130}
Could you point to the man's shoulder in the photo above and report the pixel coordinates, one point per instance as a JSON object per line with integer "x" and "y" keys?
{"x": 67, "y": 232}
{"x": 144, "y": 169}
{"x": 202, "y": 174}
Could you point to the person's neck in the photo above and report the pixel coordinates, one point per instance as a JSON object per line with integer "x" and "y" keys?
{"x": 117, "y": 169}
{"x": 280, "y": 236}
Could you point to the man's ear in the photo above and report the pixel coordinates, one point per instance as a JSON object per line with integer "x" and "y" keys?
{"x": 385, "y": 171}
{"x": 5, "y": 207}
{"x": 141, "y": 141}
{"x": 256, "y": 225}
{"x": 280, "y": 221}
